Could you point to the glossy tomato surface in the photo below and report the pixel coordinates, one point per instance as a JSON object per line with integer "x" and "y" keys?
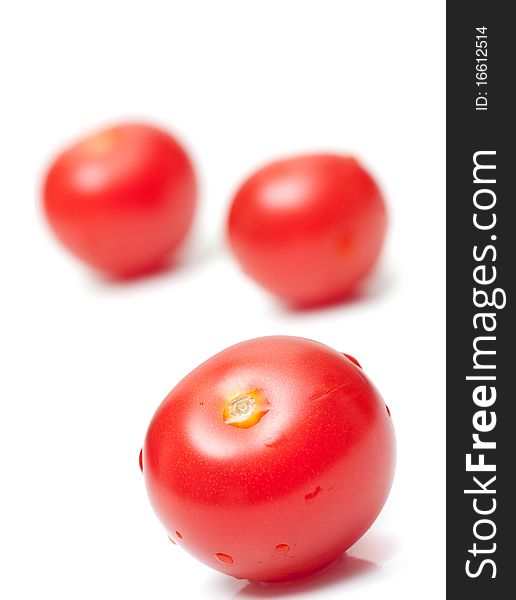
{"x": 270, "y": 459}
{"x": 310, "y": 228}
{"x": 122, "y": 199}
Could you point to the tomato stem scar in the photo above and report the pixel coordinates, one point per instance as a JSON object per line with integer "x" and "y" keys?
{"x": 245, "y": 410}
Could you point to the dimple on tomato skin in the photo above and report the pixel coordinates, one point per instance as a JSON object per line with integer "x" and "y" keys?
{"x": 310, "y": 228}
{"x": 123, "y": 199}
{"x": 275, "y": 497}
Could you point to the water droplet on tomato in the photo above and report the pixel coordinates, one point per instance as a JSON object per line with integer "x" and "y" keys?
{"x": 179, "y": 535}
{"x": 224, "y": 558}
{"x": 140, "y": 460}
{"x": 352, "y": 359}
{"x": 313, "y": 494}
{"x": 387, "y": 409}
{"x": 282, "y": 548}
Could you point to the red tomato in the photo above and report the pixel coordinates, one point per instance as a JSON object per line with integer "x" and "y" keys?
{"x": 309, "y": 229}
{"x": 270, "y": 459}
{"x": 123, "y": 199}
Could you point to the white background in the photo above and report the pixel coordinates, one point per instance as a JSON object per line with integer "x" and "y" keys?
{"x": 85, "y": 362}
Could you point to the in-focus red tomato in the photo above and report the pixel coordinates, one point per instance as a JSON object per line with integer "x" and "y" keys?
{"x": 123, "y": 199}
{"x": 270, "y": 459}
{"x": 309, "y": 229}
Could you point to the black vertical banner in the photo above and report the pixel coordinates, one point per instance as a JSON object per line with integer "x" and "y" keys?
{"x": 481, "y": 258}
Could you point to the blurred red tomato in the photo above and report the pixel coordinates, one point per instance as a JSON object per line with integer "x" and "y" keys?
{"x": 270, "y": 459}
{"x": 309, "y": 229}
{"x": 123, "y": 199}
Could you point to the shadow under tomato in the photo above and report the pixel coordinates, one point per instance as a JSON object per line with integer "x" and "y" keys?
{"x": 379, "y": 284}
{"x": 376, "y": 546}
{"x": 193, "y": 255}
{"x": 345, "y": 568}
{"x": 364, "y": 559}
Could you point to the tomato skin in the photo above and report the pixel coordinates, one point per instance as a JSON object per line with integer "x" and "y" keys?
{"x": 122, "y": 199}
{"x": 288, "y": 495}
{"x": 310, "y": 228}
